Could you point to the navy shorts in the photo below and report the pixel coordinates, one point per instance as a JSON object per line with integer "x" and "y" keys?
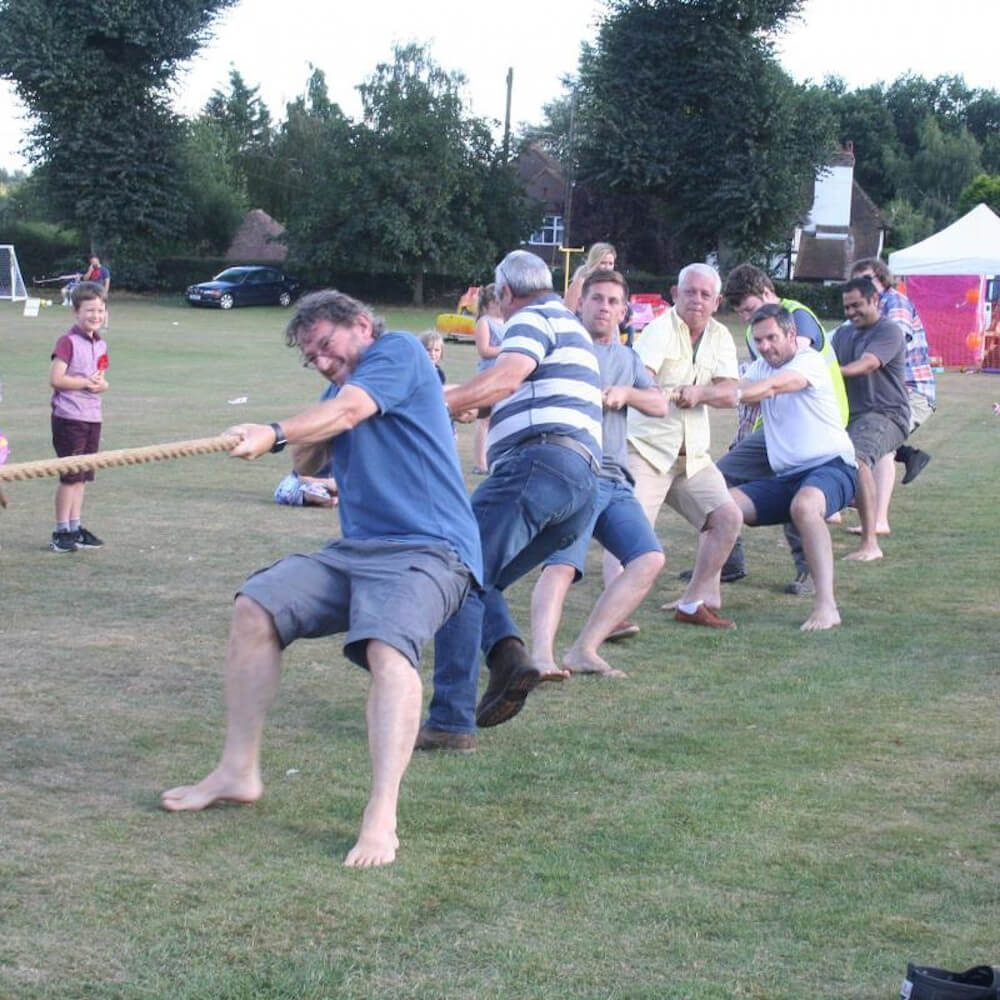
{"x": 397, "y": 592}
{"x": 75, "y": 437}
{"x": 619, "y": 524}
{"x": 772, "y": 498}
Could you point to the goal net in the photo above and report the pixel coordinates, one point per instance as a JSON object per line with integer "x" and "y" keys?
{"x": 11, "y": 282}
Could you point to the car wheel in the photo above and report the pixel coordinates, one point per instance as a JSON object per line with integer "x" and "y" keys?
{"x": 284, "y": 300}
{"x": 226, "y": 301}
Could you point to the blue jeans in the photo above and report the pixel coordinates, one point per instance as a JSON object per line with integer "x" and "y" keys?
{"x": 533, "y": 503}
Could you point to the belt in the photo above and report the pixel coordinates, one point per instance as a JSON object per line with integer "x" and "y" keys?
{"x": 565, "y": 441}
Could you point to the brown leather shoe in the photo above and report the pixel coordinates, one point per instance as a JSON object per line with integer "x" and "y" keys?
{"x": 622, "y": 630}
{"x": 512, "y": 677}
{"x": 704, "y": 616}
{"x": 442, "y": 739}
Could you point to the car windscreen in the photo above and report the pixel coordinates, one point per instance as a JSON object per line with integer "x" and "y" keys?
{"x": 233, "y": 274}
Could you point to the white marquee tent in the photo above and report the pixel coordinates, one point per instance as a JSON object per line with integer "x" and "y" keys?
{"x": 970, "y": 245}
{"x": 947, "y": 277}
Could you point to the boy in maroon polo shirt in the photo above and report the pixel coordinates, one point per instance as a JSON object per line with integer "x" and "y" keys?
{"x": 79, "y": 361}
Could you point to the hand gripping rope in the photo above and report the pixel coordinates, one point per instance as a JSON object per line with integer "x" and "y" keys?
{"x": 108, "y": 459}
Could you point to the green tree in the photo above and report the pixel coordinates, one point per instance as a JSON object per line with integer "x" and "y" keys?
{"x": 863, "y": 118}
{"x": 95, "y": 77}
{"x": 320, "y": 171}
{"x": 906, "y": 224}
{"x": 943, "y": 165}
{"x": 983, "y": 121}
{"x": 244, "y": 123}
{"x": 210, "y": 190}
{"x": 417, "y": 187}
{"x": 684, "y": 100}
{"x": 983, "y": 188}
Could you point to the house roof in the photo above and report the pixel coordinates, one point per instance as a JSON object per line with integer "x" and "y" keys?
{"x": 829, "y": 254}
{"x": 542, "y": 176}
{"x": 256, "y": 239}
{"x": 821, "y": 259}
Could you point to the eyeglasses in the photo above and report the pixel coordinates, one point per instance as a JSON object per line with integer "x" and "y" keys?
{"x": 322, "y": 351}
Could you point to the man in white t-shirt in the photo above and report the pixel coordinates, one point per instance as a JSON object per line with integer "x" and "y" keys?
{"x": 815, "y": 470}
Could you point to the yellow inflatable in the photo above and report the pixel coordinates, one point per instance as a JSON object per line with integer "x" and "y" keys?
{"x": 453, "y": 326}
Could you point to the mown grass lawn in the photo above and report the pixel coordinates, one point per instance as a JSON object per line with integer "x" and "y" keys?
{"x": 756, "y": 814}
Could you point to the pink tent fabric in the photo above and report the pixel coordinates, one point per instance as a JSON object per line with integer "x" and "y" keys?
{"x": 950, "y": 306}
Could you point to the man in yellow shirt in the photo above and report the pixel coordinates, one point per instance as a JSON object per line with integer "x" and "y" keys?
{"x": 668, "y": 456}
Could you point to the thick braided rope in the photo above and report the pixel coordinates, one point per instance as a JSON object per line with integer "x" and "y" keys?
{"x": 122, "y": 456}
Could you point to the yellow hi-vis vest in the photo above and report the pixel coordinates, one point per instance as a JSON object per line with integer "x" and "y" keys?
{"x": 832, "y": 364}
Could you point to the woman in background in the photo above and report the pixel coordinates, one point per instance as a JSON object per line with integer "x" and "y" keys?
{"x": 602, "y": 257}
{"x": 489, "y": 334}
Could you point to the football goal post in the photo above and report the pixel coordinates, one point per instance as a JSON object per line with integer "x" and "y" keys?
{"x": 11, "y": 282}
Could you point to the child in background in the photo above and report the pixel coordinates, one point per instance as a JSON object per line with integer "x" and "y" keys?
{"x": 77, "y": 377}
{"x": 434, "y": 346}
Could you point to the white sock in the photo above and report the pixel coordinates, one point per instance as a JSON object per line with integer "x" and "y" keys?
{"x": 689, "y": 609}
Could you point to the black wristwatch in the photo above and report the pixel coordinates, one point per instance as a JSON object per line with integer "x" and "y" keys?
{"x": 279, "y": 438}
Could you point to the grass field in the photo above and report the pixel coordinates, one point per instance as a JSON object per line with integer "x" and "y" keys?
{"x": 759, "y": 814}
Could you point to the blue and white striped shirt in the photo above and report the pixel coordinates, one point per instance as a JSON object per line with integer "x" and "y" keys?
{"x": 563, "y": 394}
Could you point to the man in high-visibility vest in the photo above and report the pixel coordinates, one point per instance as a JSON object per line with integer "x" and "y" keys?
{"x": 747, "y": 289}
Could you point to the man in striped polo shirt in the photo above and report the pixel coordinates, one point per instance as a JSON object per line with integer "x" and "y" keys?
{"x": 544, "y": 452}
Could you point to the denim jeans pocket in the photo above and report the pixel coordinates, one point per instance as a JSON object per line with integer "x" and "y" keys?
{"x": 551, "y": 495}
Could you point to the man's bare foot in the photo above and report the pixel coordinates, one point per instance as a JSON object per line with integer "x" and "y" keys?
{"x": 377, "y": 843}
{"x": 821, "y": 618}
{"x": 549, "y": 671}
{"x": 372, "y": 849}
{"x": 867, "y": 553}
{"x": 880, "y": 529}
{"x": 577, "y": 662}
{"x": 215, "y": 787}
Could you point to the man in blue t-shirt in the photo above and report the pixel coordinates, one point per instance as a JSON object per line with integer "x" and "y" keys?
{"x": 408, "y": 554}
{"x": 544, "y": 450}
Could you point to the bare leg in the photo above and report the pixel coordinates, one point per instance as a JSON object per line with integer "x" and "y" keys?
{"x": 253, "y": 669}
{"x": 69, "y": 501}
{"x": 393, "y": 716}
{"x": 479, "y": 446}
{"x": 619, "y": 599}
{"x": 808, "y": 511}
{"x": 547, "y": 601}
{"x": 865, "y": 500}
{"x": 715, "y": 542}
{"x": 885, "y": 483}
{"x": 611, "y": 569}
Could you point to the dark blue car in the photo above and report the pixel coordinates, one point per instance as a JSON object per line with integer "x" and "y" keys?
{"x": 245, "y": 286}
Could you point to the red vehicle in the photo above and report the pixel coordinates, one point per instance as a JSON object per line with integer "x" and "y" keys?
{"x": 645, "y": 308}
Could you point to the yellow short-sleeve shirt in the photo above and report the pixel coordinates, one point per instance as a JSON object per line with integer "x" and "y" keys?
{"x": 665, "y": 349}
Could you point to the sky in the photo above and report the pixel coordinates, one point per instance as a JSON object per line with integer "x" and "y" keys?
{"x": 274, "y": 45}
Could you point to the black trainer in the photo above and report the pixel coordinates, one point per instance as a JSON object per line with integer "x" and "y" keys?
{"x": 915, "y": 462}
{"x": 801, "y": 586}
{"x": 87, "y": 539}
{"x": 63, "y": 541}
{"x": 924, "y": 983}
{"x": 730, "y": 574}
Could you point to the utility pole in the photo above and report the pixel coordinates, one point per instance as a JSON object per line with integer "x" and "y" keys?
{"x": 570, "y": 170}
{"x": 506, "y": 122}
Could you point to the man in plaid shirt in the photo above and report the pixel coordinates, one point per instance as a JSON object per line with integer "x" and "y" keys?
{"x": 919, "y": 379}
